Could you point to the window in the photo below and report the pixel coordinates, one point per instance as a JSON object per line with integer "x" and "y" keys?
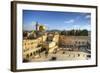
{"x": 27, "y": 56}
{"x": 78, "y": 55}
{"x": 79, "y": 42}
{"x": 31, "y": 54}
{"x": 25, "y": 44}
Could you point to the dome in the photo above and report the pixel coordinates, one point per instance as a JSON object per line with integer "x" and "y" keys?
{"x": 42, "y": 28}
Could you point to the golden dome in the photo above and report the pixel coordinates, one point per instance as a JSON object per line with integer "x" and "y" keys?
{"x": 42, "y": 28}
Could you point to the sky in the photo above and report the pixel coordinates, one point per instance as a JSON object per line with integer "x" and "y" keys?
{"x": 56, "y": 20}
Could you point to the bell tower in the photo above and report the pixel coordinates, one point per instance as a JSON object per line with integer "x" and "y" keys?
{"x": 37, "y": 26}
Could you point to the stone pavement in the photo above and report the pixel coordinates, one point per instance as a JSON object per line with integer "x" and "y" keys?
{"x": 60, "y": 55}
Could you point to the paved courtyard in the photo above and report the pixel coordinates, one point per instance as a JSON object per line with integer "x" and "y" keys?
{"x": 60, "y": 55}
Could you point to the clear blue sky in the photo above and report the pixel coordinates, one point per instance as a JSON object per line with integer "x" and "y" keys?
{"x": 56, "y": 20}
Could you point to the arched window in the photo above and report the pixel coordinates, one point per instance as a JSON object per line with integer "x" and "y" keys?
{"x": 30, "y": 54}
{"x": 78, "y": 55}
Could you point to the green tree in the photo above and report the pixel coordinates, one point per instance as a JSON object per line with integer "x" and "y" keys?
{"x": 63, "y": 32}
{"x": 84, "y": 32}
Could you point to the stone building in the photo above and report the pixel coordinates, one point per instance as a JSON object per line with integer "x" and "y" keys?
{"x": 32, "y": 47}
{"x": 74, "y": 42}
{"x": 52, "y": 42}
